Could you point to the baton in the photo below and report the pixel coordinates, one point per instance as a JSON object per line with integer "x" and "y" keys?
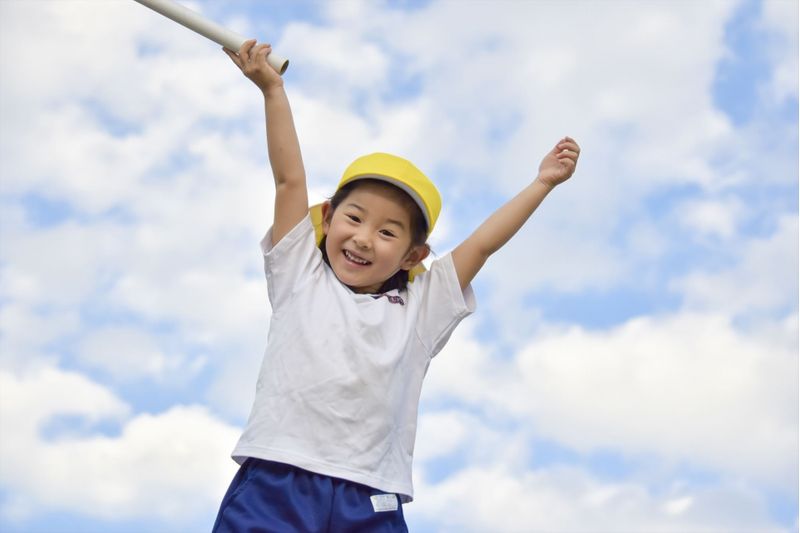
{"x": 208, "y": 29}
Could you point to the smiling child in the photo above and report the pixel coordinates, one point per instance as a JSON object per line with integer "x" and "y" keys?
{"x": 356, "y": 320}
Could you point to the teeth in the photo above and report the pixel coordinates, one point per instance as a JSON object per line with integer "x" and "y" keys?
{"x": 355, "y": 259}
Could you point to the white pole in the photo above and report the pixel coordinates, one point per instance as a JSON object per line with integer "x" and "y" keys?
{"x": 208, "y": 29}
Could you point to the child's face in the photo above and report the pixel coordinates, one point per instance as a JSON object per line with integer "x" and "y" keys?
{"x": 369, "y": 238}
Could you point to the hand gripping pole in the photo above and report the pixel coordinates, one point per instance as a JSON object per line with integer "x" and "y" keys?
{"x": 208, "y": 29}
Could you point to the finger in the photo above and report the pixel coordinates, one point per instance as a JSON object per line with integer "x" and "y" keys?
{"x": 234, "y": 57}
{"x": 568, "y": 166}
{"x": 261, "y": 51}
{"x": 569, "y": 148}
{"x": 569, "y": 143}
{"x": 568, "y": 140}
{"x": 244, "y": 50}
{"x": 567, "y": 155}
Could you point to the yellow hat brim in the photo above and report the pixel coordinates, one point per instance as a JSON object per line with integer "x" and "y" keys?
{"x": 404, "y": 175}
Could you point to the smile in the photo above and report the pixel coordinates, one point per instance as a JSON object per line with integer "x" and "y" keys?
{"x": 355, "y": 259}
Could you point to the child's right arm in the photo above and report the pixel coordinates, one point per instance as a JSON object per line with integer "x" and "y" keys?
{"x": 291, "y": 194}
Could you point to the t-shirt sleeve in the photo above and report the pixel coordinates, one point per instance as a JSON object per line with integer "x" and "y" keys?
{"x": 443, "y": 305}
{"x": 291, "y": 263}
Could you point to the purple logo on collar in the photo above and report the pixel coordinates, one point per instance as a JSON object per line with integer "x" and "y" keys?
{"x": 393, "y": 298}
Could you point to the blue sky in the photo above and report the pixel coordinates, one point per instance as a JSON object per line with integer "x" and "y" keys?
{"x": 633, "y": 363}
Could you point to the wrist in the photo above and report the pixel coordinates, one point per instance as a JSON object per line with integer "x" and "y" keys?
{"x": 546, "y": 185}
{"x": 272, "y": 90}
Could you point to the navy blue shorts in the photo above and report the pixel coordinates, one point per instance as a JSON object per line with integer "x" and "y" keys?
{"x": 267, "y": 497}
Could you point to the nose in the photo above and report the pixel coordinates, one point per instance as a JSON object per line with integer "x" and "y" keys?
{"x": 361, "y": 240}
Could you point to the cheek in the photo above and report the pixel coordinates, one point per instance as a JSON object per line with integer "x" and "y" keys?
{"x": 395, "y": 252}
{"x": 332, "y": 230}
{"x": 330, "y": 240}
{"x": 330, "y": 244}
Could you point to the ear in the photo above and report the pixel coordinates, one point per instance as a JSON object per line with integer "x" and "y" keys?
{"x": 327, "y": 214}
{"x": 415, "y": 256}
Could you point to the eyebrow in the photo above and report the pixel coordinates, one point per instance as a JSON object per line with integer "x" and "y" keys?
{"x": 388, "y": 221}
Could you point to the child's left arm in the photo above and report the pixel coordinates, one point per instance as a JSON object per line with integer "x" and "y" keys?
{"x": 556, "y": 167}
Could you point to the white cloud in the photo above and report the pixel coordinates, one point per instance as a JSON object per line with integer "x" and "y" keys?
{"x": 28, "y": 401}
{"x": 173, "y": 466}
{"x": 473, "y": 472}
{"x": 711, "y": 218}
{"x": 466, "y": 370}
{"x": 56, "y": 266}
{"x": 779, "y": 19}
{"x": 330, "y": 136}
{"x": 189, "y": 201}
{"x": 180, "y": 246}
{"x": 335, "y": 53}
{"x": 151, "y": 271}
{"x": 29, "y": 337}
{"x": 687, "y": 387}
{"x": 565, "y": 499}
{"x": 764, "y": 278}
{"x": 128, "y": 353}
{"x": 442, "y": 125}
{"x": 557, "y": 76}
{"x": 233, "y": 387}
{"x": 647, "y": 241}
{"x": 66, "y": 143}
{"x": 519, "y": 76}
{"x": 456, "y": 433}
{"x": 444, "y": 432}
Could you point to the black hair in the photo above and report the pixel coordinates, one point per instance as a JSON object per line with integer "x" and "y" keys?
{"x": 419, "y": 227}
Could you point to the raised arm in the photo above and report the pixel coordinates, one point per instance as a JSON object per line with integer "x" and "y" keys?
{"x": 291, "y": 193}
{"x": 556, "y": 167}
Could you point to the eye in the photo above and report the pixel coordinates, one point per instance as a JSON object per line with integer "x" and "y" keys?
{"x": 353, "y": 218}
{"x": 387, "y": 233}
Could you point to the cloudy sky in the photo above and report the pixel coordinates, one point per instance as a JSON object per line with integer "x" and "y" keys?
{"x": 633, "y": 363}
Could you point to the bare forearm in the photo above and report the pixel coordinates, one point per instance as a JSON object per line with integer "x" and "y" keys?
{"x": 470, "y": 256}
{"x": 507, "y": 221}
{"x": 556, "y": 167}
{"x": 283, "y": 146}
{"x": 291, "y": 196}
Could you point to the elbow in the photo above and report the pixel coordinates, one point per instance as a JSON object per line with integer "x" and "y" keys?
{"x": 289, "y": 180}
{"x": 484, "y": 250}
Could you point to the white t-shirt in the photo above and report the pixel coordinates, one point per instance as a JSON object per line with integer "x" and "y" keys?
{"x": 339, "y": 385}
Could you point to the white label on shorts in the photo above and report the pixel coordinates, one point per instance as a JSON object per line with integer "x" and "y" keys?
{"x": 384, "y": 502}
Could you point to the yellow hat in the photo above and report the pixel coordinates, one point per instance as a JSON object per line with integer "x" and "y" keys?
{"x": 399, "y": 172}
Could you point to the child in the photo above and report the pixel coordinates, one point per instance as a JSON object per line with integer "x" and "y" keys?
{"x": 355, "y": 322}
